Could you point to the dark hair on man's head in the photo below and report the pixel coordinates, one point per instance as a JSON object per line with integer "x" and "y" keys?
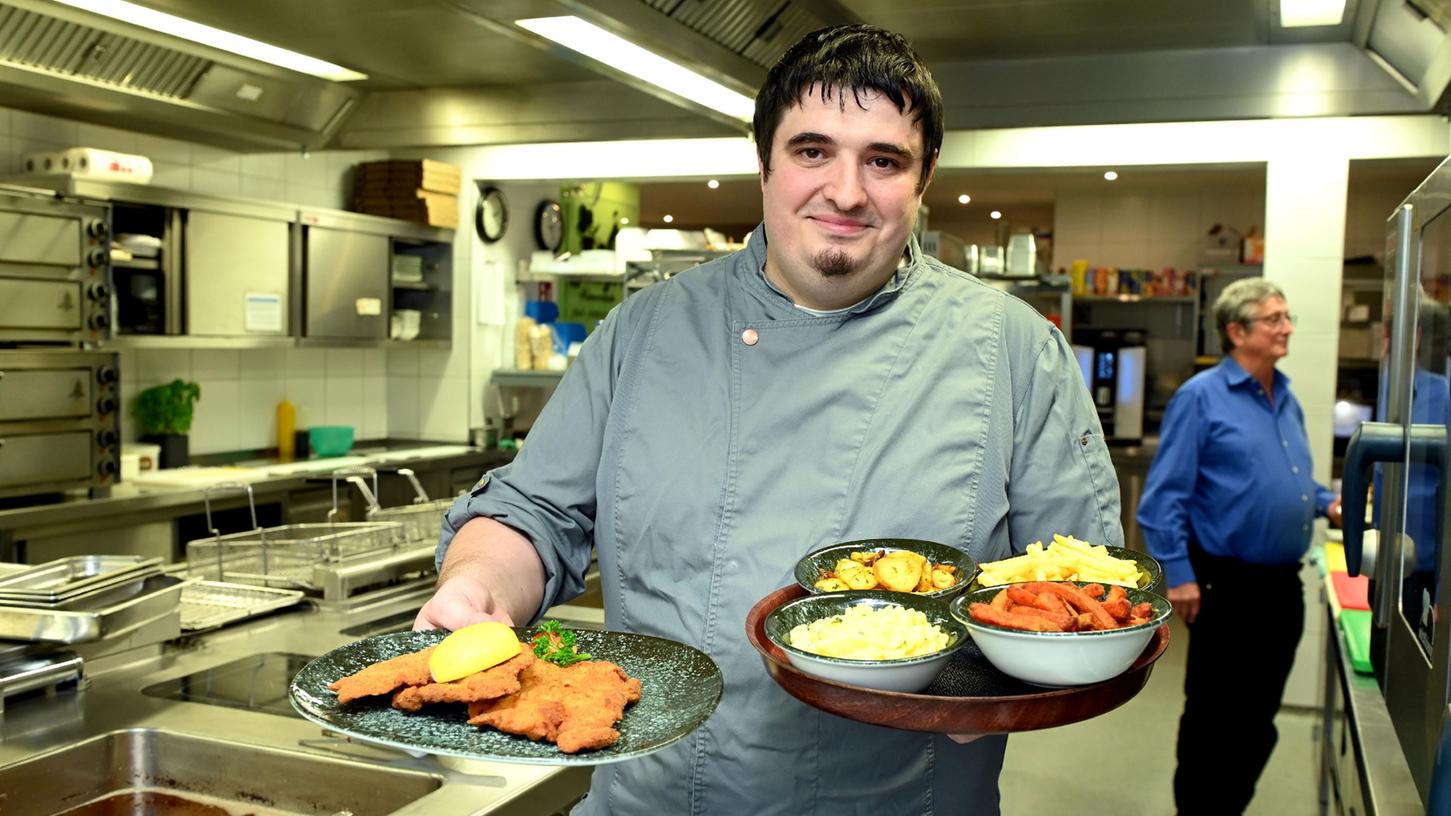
{"x": 857, "y": 58}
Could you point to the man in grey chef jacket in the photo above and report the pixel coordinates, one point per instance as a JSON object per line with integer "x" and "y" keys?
{"x": 829, "y": 382}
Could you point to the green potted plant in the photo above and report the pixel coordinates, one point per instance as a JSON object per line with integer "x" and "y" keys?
{"x": 165, "y": 413}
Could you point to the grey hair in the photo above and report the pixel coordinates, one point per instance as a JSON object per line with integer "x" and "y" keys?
{"x": 1236, "y": 304}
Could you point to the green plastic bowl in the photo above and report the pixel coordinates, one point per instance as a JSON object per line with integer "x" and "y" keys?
{"x": 330, "y": 440}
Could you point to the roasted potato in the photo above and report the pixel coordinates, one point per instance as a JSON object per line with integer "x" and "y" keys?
{"x": 899, "y": 573}
{"x": 832, "y": 585}
{"x": 860, "y": 579}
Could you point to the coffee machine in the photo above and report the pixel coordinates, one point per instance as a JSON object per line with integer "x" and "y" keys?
{"x": 1113, "y": 364}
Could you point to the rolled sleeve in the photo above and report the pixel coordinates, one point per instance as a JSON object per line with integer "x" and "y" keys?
{"x": 1062, "y": 479}
{"x": 1163, "y": 514}
{"x": 548, "y": 492}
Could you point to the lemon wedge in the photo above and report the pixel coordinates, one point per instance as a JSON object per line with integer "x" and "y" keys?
{"x": 472, "y": 649}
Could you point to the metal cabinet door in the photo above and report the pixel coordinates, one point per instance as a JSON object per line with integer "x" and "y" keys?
{"x": 347, "y": 284}
{"x": 46, "y": 240}
{"x": 45, "y": 458}
{"x": 236, "y": 275}
{"x": 29, "y": 303}
{"x": 53, "y": 394}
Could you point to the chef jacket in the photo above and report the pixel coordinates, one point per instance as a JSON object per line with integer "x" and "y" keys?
{"x": 1233, "y": 473}
{"x": 711, "y": 433}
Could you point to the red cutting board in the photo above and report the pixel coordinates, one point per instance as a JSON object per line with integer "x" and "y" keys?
{"x": 1353, "y": 593}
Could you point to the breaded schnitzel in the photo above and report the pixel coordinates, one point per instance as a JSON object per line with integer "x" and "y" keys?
{"x": 488, "y": 684}
{"x": 380, "y": 678}
{"x": 575, "y": 707}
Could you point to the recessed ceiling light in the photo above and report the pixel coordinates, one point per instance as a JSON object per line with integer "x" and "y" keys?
{"x": 964, "y": 198}
{"x": 712, "y": 184}
{"x": 1298, "y": 13}
{"x": 215, "y": 37}
{"x": 668, "y": 218}
{"x": 622, "y": 55}
{"x": 1110, "y": 175}
{"x": 624, "y": 220}
{"x": 995, "y": 215}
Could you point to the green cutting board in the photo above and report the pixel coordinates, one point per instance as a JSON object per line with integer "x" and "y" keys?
{"x": 1355, "y": 623}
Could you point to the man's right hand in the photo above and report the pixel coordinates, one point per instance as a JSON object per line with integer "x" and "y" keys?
{"x": 459, "y": 601}
{"x": 1184, "y": 598}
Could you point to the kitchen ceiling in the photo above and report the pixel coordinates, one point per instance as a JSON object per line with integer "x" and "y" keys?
{"x": 448, "y": 72}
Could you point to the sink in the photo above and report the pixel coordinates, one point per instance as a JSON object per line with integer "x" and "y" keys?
{"x": 151, "y": 768}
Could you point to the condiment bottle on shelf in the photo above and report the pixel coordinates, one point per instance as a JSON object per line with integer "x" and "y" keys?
{"x": 286, "y": 430}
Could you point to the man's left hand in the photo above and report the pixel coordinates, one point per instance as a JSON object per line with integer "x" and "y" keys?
{"x": 1333, "y": 512}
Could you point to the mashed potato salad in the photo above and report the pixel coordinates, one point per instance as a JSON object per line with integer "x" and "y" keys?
{"x": 863, "y": 633}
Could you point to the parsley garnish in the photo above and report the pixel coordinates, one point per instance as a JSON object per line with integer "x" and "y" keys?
{"x": 557, "y": 645}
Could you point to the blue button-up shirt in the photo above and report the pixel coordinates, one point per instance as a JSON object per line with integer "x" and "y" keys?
{"x": 1233, "y": 473}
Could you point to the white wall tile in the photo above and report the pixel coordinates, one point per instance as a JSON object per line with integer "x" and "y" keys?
{"x": 309, "y": 397}
{"x": 1125, "y": 218}
{"x": 215, "y": 182}
{"x": 344, "y": 362}
{"x": 5, "y": 121}
{"x": 306, "y": 363}
{"x": 305, "y": 170}
{"x": 7, "y": 156}
{"x": 162, "y": 365}
{"x": 266, "y": 165}
{"x": 215, "y": 364}
{"x": 105, "y": 138}
{"x": 215, "y": 427}
{"x": 345, "y": 402}
{"x": 375, "y": 362}
{"x": 159, "y": 148}
{"x": 444, "y": 409}
{"x": 257, "y": 412}
{"x": 268, "y": 189}
{"x": 262, "y": 364}
{"x": 174, "y": 176}
{"x": 402, "y": 361}
{"x": 403, "y": 405}
{"x": 216, "y": 159}
{"x": 34, "y": 126}
{"x": 375, "y": 408}
{"x": 1173, "y": 215}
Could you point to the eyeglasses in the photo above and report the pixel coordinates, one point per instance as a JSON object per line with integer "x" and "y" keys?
{"x": 1274, "y": 321}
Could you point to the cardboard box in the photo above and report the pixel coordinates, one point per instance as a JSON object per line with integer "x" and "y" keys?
{"x": 424, "y": 174}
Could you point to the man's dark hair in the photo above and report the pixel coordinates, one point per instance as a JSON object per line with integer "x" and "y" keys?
{"x": 859, "y": 58}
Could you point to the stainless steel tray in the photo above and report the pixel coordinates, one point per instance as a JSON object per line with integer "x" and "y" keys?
{"x": 67, "y": 578}
{"x": 209, "y": 604}
{"x": 104, "y": 615}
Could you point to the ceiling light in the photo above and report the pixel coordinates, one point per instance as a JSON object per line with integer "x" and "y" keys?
{"x": 215, "y": 37}
{"x": 622, "y": 55}
{"x": 1297, "y": 13}
{"x": 624, "y": 221}
{"x": 712, "y": 184}
{"x": 668, "y": 218}
{"x": 964, "y": 198}
{"x": 1110, "y": 175}
{"x": 995, "y": 215}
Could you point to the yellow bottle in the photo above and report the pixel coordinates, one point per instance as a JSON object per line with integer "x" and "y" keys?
{"x": 286, "y": 430}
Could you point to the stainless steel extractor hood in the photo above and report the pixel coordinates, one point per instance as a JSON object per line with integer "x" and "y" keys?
{"x": 66, "y": 62}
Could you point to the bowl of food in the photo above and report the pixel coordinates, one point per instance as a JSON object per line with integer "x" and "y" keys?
{"x": 879, "y": 639}
{"x": 1061, "y": 633}
{"x": 1069, "y": 559}
{"x": 896, "y": 564}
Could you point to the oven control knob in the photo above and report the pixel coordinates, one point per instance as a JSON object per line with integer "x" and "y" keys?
{"x": 106, "y": 437}
{"x": 105, "y": 375}
{"x": 106, "y": 405}
{"x": 97, "y": 258}
{"x": 107, "y": 467}
{"x": 100, "y": 321}
{"x": 98, "y": 292}
{"x": 98, "y": 229}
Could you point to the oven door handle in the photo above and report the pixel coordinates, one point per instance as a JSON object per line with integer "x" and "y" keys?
{"x": 1381, "y": 442}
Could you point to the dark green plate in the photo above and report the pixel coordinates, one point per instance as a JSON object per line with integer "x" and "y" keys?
{"x": 810, "y": 567}
{"x": 680, "y": 687}
{"x": 1152, "y": 581}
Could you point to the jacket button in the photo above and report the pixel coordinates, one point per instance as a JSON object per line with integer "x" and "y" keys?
{"x": 750, "y": 337}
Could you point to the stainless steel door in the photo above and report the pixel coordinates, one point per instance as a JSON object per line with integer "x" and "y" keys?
{"x": 236, "y": 275}
{"x": 41, "y": 394}
{"x": 45, "y": 240}
{"x": 347, "y": 284}
{"x": 29, "y": 303}
{"x": 46, "y": 458}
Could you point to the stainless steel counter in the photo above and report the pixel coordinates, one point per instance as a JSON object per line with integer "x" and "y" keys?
{"x": 110, "y": 700}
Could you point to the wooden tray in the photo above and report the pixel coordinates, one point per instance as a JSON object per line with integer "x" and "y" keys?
{"x": 969, "y": 697}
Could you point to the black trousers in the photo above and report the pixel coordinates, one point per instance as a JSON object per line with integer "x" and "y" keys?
{"x": 1241, "y": 649}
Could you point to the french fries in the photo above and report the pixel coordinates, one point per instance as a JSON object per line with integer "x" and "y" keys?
{"x": 1065, "y": 559}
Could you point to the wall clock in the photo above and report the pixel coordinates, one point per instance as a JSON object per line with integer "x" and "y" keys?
{"x": 491, "y": 218}
{"x": 549, "y": 225}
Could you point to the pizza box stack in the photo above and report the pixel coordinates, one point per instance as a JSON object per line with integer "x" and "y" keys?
{"x": 420, "y": 190}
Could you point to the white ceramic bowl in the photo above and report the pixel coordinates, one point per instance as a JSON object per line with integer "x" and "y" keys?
{"x": 908, "y": 674}
{"x": 1060, "y": 659}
